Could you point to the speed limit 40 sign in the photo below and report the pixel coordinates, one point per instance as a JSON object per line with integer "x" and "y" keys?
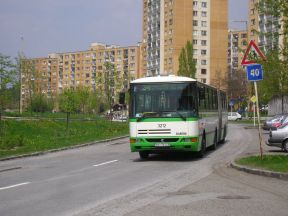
{"x": 254, "y": 72}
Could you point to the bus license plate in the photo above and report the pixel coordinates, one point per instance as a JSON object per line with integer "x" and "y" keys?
{"x": 162, "y": 145}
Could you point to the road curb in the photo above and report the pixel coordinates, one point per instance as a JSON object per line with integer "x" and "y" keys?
{"x": 282, "y": 176}
{"x": 61, "y": 149}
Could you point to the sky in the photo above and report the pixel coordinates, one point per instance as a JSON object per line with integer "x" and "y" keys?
{"x": 41, "y": 27}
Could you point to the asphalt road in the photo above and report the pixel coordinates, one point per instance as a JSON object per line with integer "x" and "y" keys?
{"x": 106, "y": 179}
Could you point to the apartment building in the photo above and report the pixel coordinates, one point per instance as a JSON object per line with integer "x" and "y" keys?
{"x": 169, "y": 24}
{"x": 38, "y": 75}
{"x": 59, "y": 71}
{"x": 237, "y": 45}
{"x": 263, "y": 28}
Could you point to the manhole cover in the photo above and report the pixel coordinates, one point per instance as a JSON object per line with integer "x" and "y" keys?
{"x": 233, "y": 197}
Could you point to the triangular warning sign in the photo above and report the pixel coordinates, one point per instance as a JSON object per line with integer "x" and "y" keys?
{"x": 245, "y": 60}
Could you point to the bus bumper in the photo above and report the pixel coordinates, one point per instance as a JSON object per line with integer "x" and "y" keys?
{"x": 163, "y": 144}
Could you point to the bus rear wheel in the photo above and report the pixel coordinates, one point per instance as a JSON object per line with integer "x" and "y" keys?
{"x": 143, "y": 154}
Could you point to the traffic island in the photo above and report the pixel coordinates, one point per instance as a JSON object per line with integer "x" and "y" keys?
{"x": 275, "y": 166}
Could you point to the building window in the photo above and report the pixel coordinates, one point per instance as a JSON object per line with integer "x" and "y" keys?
{"x": 203, "y": 42}
{"x": 204, "y": 23}
{"x": 204, "y": 4}
{"x": 195, "y": 13}
{"x": 203, "y": 33}
{"x": 244, "y": 35}
{"x": 203, "y": 71}
{"x": 195, "y": 3}
{"x": 194, "y": 42}
{"x": 195, "y": 22}
{"x": 204, "y": 14}
{"x": 203, "y": 62}
{"x": 203, "y": 52}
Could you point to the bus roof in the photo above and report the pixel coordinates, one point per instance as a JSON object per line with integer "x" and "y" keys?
{"x": 160, "y": 79}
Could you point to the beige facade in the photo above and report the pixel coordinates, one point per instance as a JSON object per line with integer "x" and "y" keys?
{"x": 264, "y": 29}
{"x": 169, "y": 24}
{"x": 219, "y": 40}
{"x": 50, "y": 76}
{"x": 237, "y": 45}
{"x": 253, "y": 23}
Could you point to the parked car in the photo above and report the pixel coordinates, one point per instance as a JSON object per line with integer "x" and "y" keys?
{"x": 279, "y": 138}
{"x": 275, "y": 122}
{"x": 234, "y": 116}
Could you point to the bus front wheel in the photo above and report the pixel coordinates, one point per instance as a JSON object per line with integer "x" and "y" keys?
{"x": 214, "y": 146}
{"x": 202, "y": 151}
{"x": 143, "y": 154}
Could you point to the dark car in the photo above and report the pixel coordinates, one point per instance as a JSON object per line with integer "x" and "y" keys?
{"x": 275, "y": 122}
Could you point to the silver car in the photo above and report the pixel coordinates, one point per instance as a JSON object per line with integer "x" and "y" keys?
{"x": 279, "y": 137}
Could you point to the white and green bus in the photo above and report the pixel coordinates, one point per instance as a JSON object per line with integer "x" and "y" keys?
{"x": 172, "y": 113}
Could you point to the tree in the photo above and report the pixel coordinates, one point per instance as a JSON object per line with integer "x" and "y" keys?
{"x": 278, "y": 9}
{"x": 276, "y": 66}
{"x": 187, "y": 65}
{"x": 28, "y": 75}
{"x": 68, "y": 103}
{"x": 109, "y": 83}
{"x": 238, "y": 85}
{"x": 275, "y": 77}
{"x": 83, "y": 95}
{"x": 40, "y": 103}
{"x": 7, "y": 79}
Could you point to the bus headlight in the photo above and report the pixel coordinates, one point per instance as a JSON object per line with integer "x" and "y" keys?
{"x": 194, "y": 139}
{"x": 132, "y": 141}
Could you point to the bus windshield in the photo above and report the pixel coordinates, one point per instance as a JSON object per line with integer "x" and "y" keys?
{"x": 163, "y": 100}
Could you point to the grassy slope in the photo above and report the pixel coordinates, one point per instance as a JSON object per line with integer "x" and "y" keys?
{"x": 21, "y": 137}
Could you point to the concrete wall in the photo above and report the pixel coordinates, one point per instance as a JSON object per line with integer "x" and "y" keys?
{"x": 275, "y": 106}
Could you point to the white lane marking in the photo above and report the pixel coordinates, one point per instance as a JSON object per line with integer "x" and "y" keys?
{"x": 108, "y": 162}
{"x": 16, "y": 185}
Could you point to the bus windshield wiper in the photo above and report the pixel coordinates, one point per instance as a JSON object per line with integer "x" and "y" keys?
{"x": 181, "y": 116}
{"x": 145, "y": 115}
{"x": 175, "y": 111}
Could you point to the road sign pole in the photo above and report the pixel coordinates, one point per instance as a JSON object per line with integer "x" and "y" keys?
{"x": 254, "y": 111}
{"x": 258, "y": 116}
{"x": 255, "y": 73}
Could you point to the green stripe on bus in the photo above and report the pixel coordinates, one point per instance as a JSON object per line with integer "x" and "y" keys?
{"x": 163, "y": 119}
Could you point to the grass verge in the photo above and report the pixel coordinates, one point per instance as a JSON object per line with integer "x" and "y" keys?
{"x": 276, "y": 163}
{"x": 23, "y": 137}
